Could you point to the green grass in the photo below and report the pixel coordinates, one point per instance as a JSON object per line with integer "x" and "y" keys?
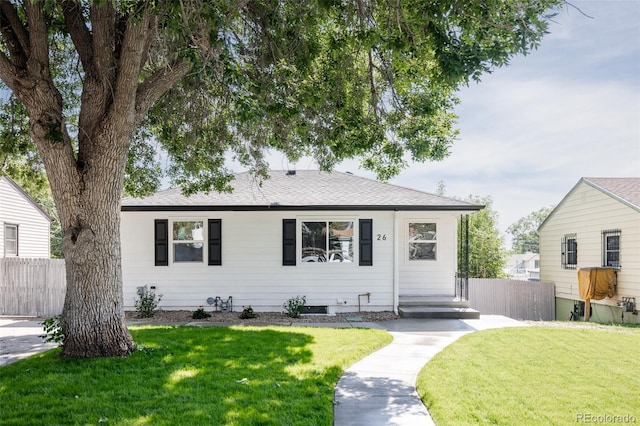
{"x": 190, "y": 375}
{"x": 534, "y": 376}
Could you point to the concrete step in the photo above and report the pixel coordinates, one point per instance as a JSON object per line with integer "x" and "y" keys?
{"x": 432, "y": 301}
{"x": 440, "y": 312}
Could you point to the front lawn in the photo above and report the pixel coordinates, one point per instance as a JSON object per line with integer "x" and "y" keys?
{"x": 535, "y": 376}
{"x": 191, "y": 375}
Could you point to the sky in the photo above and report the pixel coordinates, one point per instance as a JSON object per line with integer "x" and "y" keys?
{"x": 530, "y": 131}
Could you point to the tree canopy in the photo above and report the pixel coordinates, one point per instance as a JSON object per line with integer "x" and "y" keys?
{"x": 487, "y": 256}
{"x": 524, "y": 232}
{"x": 101, "y": 82}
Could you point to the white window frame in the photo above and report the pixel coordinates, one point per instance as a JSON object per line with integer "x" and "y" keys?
{"x": 411, "y": 239}
{"x": 13, "y": 253}
{"x": 195, "y": 242}
{"x": 327, "y": 220}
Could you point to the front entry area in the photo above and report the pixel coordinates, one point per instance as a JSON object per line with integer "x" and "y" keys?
{"x": 427, "y": 257}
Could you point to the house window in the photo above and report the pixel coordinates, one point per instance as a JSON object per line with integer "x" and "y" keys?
{"x": 188, "y": 241}
{"x": 569, "y": 251}
{"x": 327, "y": 241}
{"x": 422, "y": 241}
{"x": 10, "y": 240}
{"x": 611, "y": 248}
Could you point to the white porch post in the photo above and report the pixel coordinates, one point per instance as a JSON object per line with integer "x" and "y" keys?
{"x": 396, "y": 261}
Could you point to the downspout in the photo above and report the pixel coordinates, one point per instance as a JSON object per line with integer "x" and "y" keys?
{"x": 396, "y": 261}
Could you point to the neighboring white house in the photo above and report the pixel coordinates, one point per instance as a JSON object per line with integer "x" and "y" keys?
{"x": 24, "y": 225}
{"x": 344, "y": 242}
{"x": 597, "y": 224}
{"x": 523, "y": 266}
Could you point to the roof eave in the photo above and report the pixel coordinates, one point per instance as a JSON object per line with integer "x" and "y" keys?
{"x": 276, "y": 207}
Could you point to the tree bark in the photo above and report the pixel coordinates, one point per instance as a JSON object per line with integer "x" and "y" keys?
{"x": 86, "y": 177}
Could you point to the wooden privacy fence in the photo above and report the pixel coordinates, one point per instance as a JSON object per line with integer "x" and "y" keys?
{"x": 522, "y": 300}
{"x": 32, "y": 287}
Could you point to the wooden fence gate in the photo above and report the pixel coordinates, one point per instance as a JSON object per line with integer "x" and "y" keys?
{"x": 32, "y": 287}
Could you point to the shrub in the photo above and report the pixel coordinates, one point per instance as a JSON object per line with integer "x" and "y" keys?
{"x": 247, "y": 313}
{"x": 295, "y": 306}
{"x": 200, "y": 314}
{"x": 53, "y": 330}
{"x": 147, "y": 302}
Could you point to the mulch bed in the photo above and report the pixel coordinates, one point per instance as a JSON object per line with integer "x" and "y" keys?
{"x": 184, "y": 317}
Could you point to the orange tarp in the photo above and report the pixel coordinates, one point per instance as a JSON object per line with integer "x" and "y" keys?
{"x": 596, "y": 283}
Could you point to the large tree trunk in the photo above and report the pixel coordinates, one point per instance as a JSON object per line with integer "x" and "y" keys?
{"x": 87, "y": 192}
{"x": 93, "y": 316}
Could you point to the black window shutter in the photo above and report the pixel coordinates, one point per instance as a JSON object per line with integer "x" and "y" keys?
{"x": 366, "y": 242}
{"x": 161, "y": 238}
{"x": 288, "y": 242}
{"x": 215, "y": 241}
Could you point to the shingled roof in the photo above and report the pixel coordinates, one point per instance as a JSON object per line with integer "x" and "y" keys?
{"x": 301, "y": 190}
{"x": 626, "y": 190}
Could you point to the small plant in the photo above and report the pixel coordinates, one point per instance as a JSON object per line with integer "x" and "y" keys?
{"x": 147, "y": 302}
{"x": 295, "y": 306}
{"x": 53, "y": 330}
{"x": 247, "y": 313}
{"x": 200, "y": 313}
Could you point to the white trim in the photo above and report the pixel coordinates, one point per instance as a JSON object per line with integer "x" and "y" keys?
{"x": 355, "y": 239}
{"x": 396, "y": 262}
{"x": 407, "y": 222}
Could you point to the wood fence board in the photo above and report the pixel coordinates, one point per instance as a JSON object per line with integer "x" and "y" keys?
{"x": 32, "y": 287}
{"x": 522, "y": 300}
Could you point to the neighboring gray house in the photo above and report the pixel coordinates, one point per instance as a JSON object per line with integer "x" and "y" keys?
{"x": 597, "y": 224}
{"x": 24, "y": 225}
{"x": 344, "y": 242}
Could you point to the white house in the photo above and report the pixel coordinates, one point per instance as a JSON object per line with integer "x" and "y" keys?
{"x": 24, "y": 225}
{"x": 523, "y": 266}
{"x": 344, "y": 242}
{"x": 597, "y": 224}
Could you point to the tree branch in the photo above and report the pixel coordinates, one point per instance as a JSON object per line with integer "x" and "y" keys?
{"x": 80, "y": 34}
{"x": 14, "y": 33}
{"x": 103, "y": 22}
{"x": 8, "y": 72}
{"x": 38, "y": 62}
{"x": 130, "y": 63}
{"x": 158, "y": 84}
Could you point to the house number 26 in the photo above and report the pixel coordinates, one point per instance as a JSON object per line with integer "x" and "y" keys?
{"x": 382, "y": 237}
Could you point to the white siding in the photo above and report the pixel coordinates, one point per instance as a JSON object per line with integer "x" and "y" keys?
{"x": 252, "y": 271}
{"x": 429, "y": 277}
{"x": 33, "y": 226}
{"x": 586, "y": 212}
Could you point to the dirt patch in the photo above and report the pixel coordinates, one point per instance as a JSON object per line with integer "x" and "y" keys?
{"x": 183, "y": 317}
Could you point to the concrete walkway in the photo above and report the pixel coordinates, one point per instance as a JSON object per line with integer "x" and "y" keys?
{"x": 20, "y": 338}
{"x": 380, "y": 389}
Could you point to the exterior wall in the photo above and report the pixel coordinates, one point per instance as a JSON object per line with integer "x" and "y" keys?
{"x": 586, "y": 212}
{"x": 252, "y": 271}
{"x": 429, "y": 277}
{"x": 33, "y": 226}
